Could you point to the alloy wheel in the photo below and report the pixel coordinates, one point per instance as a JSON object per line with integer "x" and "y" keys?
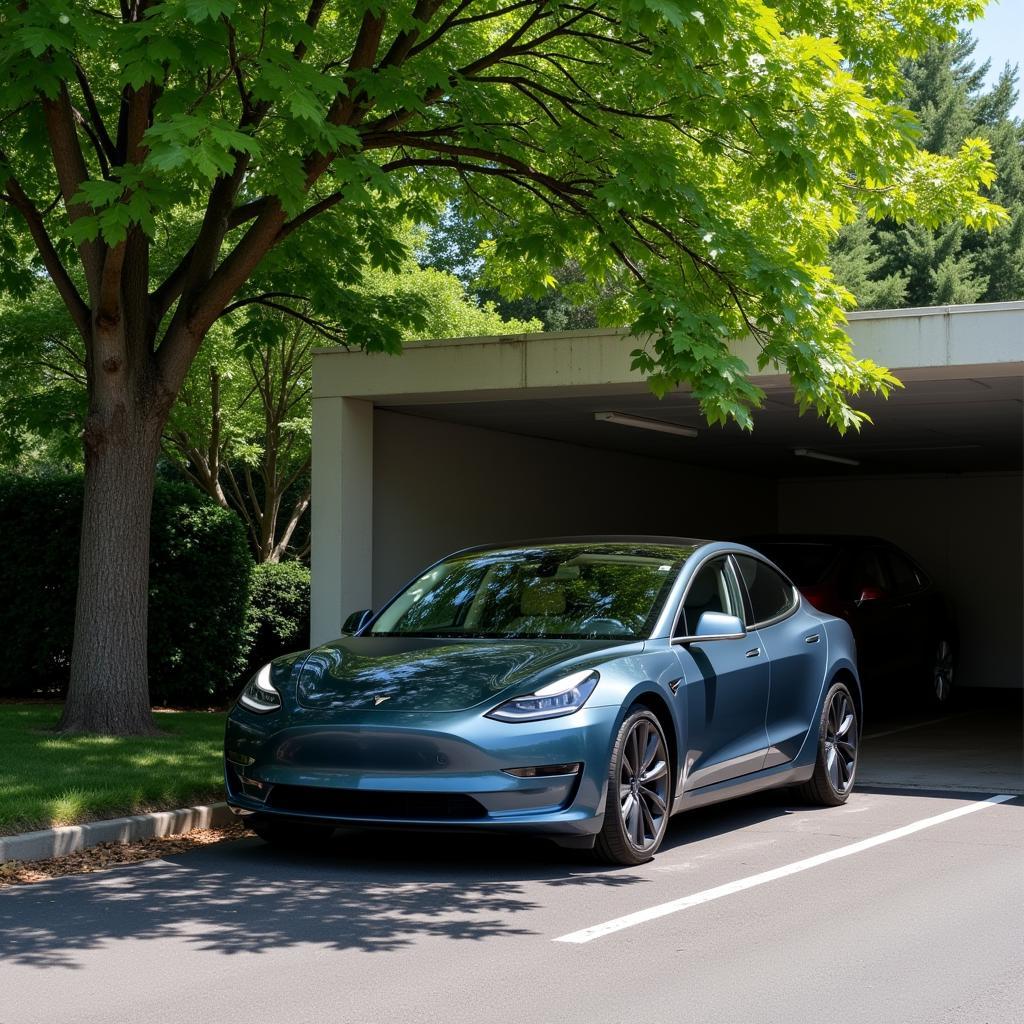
{"x": 644, "y": 785}
{"x": 942, "y": 671}
{"x": 841, "y": 742}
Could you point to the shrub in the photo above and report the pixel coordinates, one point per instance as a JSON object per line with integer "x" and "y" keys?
{"x": 278, "y": 621}
{"x": 199, "y": 588}
{"x": 200, "y": 569}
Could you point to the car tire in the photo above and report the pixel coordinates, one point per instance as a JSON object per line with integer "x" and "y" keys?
{"x": 835, "y": 767}
{"x": 941, "y": 672}
{"x": 638, "y": 802}
{"x": 295, "y": 835}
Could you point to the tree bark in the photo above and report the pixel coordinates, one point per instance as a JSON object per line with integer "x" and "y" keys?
{"x": 109, "y": 685}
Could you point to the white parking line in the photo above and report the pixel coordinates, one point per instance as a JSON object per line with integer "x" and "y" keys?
{"x": 684, "y": 903}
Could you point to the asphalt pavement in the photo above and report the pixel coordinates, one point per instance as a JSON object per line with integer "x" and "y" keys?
{"x": 902, "y": 906}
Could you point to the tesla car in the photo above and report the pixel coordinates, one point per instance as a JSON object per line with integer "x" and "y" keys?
{"x": 902, "y": 624}
{"x": 582, "y": 689}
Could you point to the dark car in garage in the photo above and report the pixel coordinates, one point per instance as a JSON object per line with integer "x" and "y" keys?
{"x": 905, "y": 631}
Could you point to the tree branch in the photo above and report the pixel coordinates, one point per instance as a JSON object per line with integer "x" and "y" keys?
{"x": 71, "y": 173}
{"x": 240, "y": 505}
{"x": 101, "y": 156}
{"x": 249, "y": 300}
{"x": 453, "y": 20}
{"x": 324, "y": 329}
{"x": 170, "y": 289}
{"x": 403, "y": 114}
{"x": 99, "y": 128}
{"x": 316, "y": 8}
{"x": 400, "y": 49}
{"x": 298, "y": 511}
{"x": 364, "y": 53}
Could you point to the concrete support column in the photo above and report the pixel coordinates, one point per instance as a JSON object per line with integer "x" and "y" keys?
{"x": 342, "y": 512}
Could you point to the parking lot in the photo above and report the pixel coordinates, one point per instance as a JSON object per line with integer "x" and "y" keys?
{"x": 904, "y": 905}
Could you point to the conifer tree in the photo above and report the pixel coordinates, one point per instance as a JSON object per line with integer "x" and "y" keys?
{"x": 950, "y": 264}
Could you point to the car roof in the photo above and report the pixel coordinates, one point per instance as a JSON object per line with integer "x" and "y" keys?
{"x": 814, "y": 538}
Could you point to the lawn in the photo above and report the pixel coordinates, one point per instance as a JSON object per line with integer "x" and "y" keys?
{"x": 46, "y": 779}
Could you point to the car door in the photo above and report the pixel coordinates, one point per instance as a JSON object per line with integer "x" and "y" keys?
{"x": 913, "y": 610}
{"x": 865, "y": 585}
{"x": 795, "y": 645}
{"x": 725, "y": 683}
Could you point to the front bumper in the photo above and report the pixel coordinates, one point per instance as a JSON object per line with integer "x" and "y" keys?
{"x": 421, "y": 770}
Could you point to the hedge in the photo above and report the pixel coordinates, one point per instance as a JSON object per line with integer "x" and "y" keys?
{"x": 278, "y": 621}
{"x": 199, "y": 591}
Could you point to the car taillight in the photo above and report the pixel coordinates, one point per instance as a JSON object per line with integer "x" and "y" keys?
{"x": 825, "y": 599}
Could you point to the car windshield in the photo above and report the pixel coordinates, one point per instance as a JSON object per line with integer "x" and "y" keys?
{"x": 560, "y": 591}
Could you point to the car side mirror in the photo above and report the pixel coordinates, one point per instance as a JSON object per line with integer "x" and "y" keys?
{"x": 355, "y": 622}
{"x": 719, "y": 626}
{"x": 869, "y": 593}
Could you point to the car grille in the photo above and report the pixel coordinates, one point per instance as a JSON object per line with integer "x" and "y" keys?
{"x": 385, "y": 805}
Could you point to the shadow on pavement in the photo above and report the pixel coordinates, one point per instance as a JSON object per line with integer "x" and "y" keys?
{"x": 975, "y": 746}
{"x": 371, "y": 891}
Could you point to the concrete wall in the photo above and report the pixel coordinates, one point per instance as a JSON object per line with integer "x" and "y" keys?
{"x": 965, "y": 530}
{"x": 441, "y": 486}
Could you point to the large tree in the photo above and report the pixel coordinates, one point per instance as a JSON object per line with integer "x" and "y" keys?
{"x": 703, "y": 151}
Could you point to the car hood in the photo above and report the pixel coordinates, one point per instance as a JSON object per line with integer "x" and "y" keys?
{"x": 417, "y": 674}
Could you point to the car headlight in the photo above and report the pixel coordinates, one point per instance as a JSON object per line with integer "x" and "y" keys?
{"x": 259, "y": 693}
{"x": 562, "y": 697}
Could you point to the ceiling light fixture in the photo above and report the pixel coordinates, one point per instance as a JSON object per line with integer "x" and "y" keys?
{"x": 625, "y": 420}
{"x": 808, "y": 453}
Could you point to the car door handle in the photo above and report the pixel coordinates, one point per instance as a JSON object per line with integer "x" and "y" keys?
{"x": 753, "y": 652}
{"x": 812, "y": 639}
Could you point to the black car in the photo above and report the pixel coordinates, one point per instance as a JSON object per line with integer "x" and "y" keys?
{"x": 905, "y": 632}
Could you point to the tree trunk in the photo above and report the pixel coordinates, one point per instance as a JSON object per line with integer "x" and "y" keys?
{"x": 109, "y": 686}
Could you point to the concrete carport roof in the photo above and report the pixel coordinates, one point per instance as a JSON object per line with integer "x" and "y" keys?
{"x": 473, "y": 440}
{"x": 478, "y": 439}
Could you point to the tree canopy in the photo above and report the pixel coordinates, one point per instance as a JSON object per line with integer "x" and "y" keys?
{"x": 704, "y": 151}
{"x": 692, "y": 159}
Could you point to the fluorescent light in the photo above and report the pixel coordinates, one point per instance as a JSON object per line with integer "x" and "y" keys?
{"x": 644, "y": 423}
{"x": 807, "y": 453}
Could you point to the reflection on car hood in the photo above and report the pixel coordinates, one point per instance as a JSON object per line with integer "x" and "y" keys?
{"x": 419, "y": 674}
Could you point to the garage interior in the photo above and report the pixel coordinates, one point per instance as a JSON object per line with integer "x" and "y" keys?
{"x": 478, "y": 444}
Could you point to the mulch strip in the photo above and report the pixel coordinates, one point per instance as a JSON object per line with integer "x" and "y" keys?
{"x": 108, "y": 855}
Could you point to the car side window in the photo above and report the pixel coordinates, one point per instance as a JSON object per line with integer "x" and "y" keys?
{"x": 864, "y": 570}
{"x": 713, "y": 589}
{"x": 771, "y": 594}
{"x": 902, "y": 572}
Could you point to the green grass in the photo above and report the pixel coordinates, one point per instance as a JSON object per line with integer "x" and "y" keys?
{"x": 47, "y": 779}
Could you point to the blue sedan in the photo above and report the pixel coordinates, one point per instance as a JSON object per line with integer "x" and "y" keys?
{"x": 584, "y": 689}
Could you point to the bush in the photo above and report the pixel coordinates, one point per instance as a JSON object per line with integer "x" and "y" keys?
{"x": 278, "y": 621}
{"x": 200, "y": 569}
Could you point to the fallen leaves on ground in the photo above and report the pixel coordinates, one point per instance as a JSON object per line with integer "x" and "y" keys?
{"x": 108, "y": 855}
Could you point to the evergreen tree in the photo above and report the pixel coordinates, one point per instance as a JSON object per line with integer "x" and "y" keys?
{"x": 859, "y": 266}
{"x": 886, "y": 265}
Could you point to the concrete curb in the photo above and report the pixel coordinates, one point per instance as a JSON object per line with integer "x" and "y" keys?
{"x": 56, "y": 842}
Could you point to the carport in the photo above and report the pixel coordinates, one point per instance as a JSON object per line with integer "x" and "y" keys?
{"x": 474, "y": 440}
